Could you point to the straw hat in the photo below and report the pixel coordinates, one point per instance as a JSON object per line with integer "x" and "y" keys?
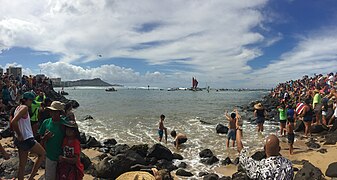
{"x": 56, "y": 106}
{"x": 258, "y": 106}
{"x": 136, "y": 175}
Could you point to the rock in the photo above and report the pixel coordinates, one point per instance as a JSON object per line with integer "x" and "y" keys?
{"x": 295, "y": 169}
{"x": 211, "y": 176}
{"x": 75, "y": 104}
{"x": 201, "y": 174}
{"x": 205, "y": 122}
{"x": 104, "y": 150}
{"x": 225, "y": 178}
{"x": 332, "y": 170}
{"x": 141, "y": 149}
{"x": 299, "y": 126}
{"x": 160, "y": 152}
{"x": 182, "y": 172}
{"x": 92, "y": 142}
{"x": 206, "y": 153}
{"x": 139, "y": 167}
{"x": 6, "y": 133}
{"x": 259, "y": 155}
{"x": 221, "y": 129}
{"x": 151, "y": 160}
{"x": 85, "y": 160}
{"x": 83, "y": 138}
{"x": 318, "y": 128}
{"x": 236, "y": 161}
{"x": 240, "y": 176}
{"x": 309, "y": 171}
{"x": 226, "y": 161}
{"x": 331, "y": 138}
{"x": 9, "y": 168}
{"x": 87, "y": 117}
{"x": 182, "y": 165}
{"x": 100, "y": 157}
{"x": 109, "y": 142}
{"x": 119, "y": 149}
{"x": 209, "y": 161}
{"x": 165, "y": 164}
{"x": 135, "y": 158}
{"x": 323, "y": 151}
{"x": 177, "y": 156}
{"x": 312, "y": 144}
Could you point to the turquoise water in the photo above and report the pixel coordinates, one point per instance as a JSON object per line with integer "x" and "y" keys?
{"x": 131, "y": 116}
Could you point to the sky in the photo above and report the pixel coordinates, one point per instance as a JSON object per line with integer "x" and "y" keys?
{"x": 223, "y": 43}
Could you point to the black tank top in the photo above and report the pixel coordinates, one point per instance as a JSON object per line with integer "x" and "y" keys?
{"x": 260, "y": 113}
{"x": 308, "y": 115}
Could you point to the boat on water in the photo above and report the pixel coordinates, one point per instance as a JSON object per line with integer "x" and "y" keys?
{"x": 111, "y": 89}
{"x": 195, "y": 85}
{"x": 63, "y": 93}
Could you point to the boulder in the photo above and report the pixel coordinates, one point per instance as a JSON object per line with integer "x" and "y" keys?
{"x": 87, "y": 117}
{"x": 236, "y": 161}
{"x": 201, "y": 174}
{"x": 165, "y": 164}
{"x": 141, "y": 149}
{"x": 160, "y": 152}
{"x": 240, "y": 176}
{"x": 109, "y": 142}
{"x": 332, "y": 170}
{"x": 184, "y": 173}
{"x": 177, "y": 156}
{"x": 259, "y": 155}
{"x": 206, "y": 153}
{"x": 139, "y": 167}
{"x": 92, "y": 142}
{"x": 75, "y": 104}
{"x": 331, "y": 138}
{"x": 309, "y": 171}
{"x": 85, "y": 160}
{"x": 119, "y": 149}
{"x": 9, "y": 168}
{"x": 225, "y": 178}
{"x": 226, "y": 161}
{"x": 312, "y": 144}
{"x": 211, "y": 176}
{"x": 6, "y": 133}
{"x": 318, "y": 128}
{"x": 182, "y": 165}
{"x": 299, "y": 126}
{"x": 151, "y": 160}
{"x": 323, "y": 150}
{"x": 221, "y": 129}
{"x": 209, "y": 161}
{"x": 134, "y": 157}
{"x": 83, "y": 138}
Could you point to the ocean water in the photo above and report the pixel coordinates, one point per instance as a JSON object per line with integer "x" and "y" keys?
{"x": 131, "y": 116}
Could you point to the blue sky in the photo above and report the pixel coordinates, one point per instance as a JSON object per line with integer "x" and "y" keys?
{"x": 222, "y": 43}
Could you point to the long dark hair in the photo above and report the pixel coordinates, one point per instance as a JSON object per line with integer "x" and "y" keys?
{"x": 76, "y": 131}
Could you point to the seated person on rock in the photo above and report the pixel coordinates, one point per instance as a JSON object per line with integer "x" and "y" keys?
{"x": 178, "y": 138}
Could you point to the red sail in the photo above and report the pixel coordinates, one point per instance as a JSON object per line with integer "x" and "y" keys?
{"x": 193, "y": 82}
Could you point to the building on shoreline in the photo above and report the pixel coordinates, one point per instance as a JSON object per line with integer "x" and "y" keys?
{"x": 56, "y": 82}
{"x": 15, "y": 71}
{"x": 1, "y": 71}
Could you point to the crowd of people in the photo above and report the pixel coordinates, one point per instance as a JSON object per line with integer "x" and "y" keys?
{"x": 45, "y": 128}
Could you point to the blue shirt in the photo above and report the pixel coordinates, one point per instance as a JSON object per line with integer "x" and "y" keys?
{"x": 290, "y": 113}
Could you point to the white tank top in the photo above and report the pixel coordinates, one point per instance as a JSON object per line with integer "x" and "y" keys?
{"x": 24, "y": 126}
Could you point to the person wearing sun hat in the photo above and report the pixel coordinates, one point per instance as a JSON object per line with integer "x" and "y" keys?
{"x": 260, "y": 115}
{"x": 52, "y": 134}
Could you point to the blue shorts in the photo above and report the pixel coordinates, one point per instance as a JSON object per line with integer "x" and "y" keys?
{"x": 231, "y": 134}
{"x": 160, "y": 133}
{"x": 25, "y": 145}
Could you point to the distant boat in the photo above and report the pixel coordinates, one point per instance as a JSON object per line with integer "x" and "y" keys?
{"x": 111, "y": 89}
{"x": 63, "y": 93}
{"x": 195, "y": 85}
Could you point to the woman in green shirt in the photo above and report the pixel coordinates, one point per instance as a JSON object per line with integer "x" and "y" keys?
{"x": 283, "y": 118}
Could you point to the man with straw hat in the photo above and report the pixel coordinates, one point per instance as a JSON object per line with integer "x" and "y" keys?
{"x": 260, "y": 115}
{"x": 52, "y": 133}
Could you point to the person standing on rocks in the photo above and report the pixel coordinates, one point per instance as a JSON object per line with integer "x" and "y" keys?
{"x": 52, "y": 132}
{"x": 307, "y": 115}
{"x": 24, "y": 138}
{"x": 260, "y": 114}
{"x": 162, "y": 128}
{"x": 178, "y": 138}
{"x": 317, "y": 105}
{"x": 283, "y": 118}
{"x": 273, "y": 167}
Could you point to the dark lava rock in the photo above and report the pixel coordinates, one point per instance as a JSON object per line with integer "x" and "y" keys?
{"x": 323, "y": 151}
{"x": 259, "y": 155}
{"x": 332, "y": 170}
{"x": 109, "y": 142}
{"x": 139, "y": 167}
{"x": 100, "y": 157}
{"x": 177, "y": 156}
{"x": 165, "y": 164}
{"x": 182, "y": 172}
{"x": 201, "y": 174}
{"x": 83, "y": 138}
{"x": 141, "y": 149}
{"x": 225, "y": 178}
{"x": 211, "y": 176}
{"x": 151, "y": 160}
{"x": 209, "y": 161}
{"x": 331, "y": 138}
{"x": 205, "y": 122}
{"x": 119, "y": 149}
{"x": 182, "y": 165}
{"x": 206, "y": 153}
{"x": 299, "y": 126}
{"x": 240, "y": 176}
{"x": 92, "y": 142}
{"x": 318, "y": 128}
{"x": 312, "y": 144}
{"x": 104, "y": 150}
{"x": 9, "y": 168}
{"x": 87, "y": 117}
{"x": 85, "y": 160}
{"x": 221, "y": 129}
{"x": 160, "y": 152}
{"x": 236, "y": 161}
{"x": 75, "y": 104}
{"x": 226, "y": 161}
{"x": 309, "y": 171}
{"x": 6, "y": 133}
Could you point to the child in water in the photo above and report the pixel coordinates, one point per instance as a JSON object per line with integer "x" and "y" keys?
{"x": 70, "y": 166}
{"x": 162, "y": 128}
